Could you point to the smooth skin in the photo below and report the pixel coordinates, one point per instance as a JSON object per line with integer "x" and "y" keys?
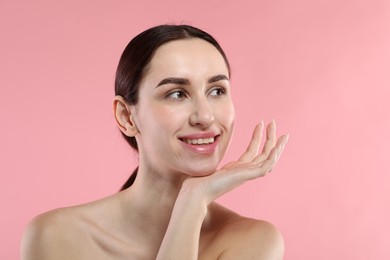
{"x": 169, "y": 212}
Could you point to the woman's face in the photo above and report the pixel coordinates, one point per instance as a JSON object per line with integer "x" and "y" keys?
{"x": 185, "y": 113}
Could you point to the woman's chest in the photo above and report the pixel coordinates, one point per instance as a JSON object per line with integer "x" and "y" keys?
{"x": 105, "y": 246}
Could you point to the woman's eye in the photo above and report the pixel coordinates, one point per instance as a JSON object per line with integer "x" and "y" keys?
{"x": 218, "y": 91}
{"x": 177, "y": 94}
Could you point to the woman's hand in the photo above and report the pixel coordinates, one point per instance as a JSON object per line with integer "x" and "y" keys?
{"x": 251, "y": 165}
{"x": 181, "y": 240}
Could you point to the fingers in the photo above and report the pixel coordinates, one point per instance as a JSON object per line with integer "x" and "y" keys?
{"x": 237, "y": 172}
{"x": 283, "y": 144}
{"x": 271, "y": 137}
{"x": 254, "y": 145}
{"x": 258, "y": 165}
{"x": 269, "y": 143}
{"x": 270, "y": 162}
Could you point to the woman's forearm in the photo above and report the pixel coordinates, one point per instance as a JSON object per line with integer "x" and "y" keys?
{"x": 181, "y": 240}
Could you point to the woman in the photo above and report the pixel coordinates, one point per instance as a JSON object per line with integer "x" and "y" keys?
{"x": 173, "y": 105}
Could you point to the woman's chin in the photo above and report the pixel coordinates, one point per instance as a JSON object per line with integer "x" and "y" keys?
{"x": 202, "y": 172}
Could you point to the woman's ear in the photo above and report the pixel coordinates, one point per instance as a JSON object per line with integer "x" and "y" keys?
{"x": 124, "y": 117}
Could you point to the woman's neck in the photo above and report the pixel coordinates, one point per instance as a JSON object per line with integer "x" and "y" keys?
{"x": 148, "y": 203}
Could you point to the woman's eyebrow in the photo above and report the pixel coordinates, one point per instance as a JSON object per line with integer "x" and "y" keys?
{"x": 183, "y": 81}
{"x": 218, "y": 78}
{"x": 177, "y": 81}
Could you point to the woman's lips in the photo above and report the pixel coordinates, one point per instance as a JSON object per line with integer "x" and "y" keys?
{"x": 203, "y": 143}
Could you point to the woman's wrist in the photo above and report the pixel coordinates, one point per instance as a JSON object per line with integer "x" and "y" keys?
{"x": 192, "y": 200}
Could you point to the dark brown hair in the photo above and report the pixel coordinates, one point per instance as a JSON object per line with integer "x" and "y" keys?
{"x": 136, "y": 58}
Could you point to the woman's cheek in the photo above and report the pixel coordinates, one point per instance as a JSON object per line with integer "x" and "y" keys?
{"x": 170, "y": 116}
{"x": 226, "y": 114}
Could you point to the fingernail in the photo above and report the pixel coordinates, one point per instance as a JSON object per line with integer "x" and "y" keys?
{"x": 287, "y": 137}
{"x": 262, "y": 124}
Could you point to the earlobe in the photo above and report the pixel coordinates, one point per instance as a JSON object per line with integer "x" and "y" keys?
{"x": 124, "y": 117}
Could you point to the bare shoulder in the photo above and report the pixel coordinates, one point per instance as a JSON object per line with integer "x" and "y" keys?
{"x": 246, "y": 238}
{"x": 62, "y": 233}
{"x": 257, "y": 239}
{"x": 53, "y": 235}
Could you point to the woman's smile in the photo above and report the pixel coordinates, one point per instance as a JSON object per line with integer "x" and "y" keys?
{"x": 203, "y": 143}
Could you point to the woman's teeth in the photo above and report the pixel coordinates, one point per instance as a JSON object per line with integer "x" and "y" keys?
{"x": 200, "y": 141}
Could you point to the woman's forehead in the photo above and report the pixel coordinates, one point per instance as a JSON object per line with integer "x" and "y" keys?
{"x": 187, "y": 57}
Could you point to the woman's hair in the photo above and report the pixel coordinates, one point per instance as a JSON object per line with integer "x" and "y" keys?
{"x": 136, "y": 57}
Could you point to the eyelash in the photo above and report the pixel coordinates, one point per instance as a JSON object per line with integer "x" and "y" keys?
{"x": 170, "y": 94}
{"x": 221, "y": 90}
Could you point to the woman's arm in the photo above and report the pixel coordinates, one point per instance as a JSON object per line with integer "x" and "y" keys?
{"x": 181, "y": 240}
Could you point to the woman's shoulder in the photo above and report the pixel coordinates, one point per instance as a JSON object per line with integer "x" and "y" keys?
{"x": 60, "y": 220}
{"x": 54, "y": 232}
{"x": 68, "y": 218}
{"x": 42, "y": 234}
{"x": 238, "y": 235}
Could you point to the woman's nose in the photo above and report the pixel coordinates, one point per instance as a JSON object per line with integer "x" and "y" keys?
{"x": 202, "y": 114}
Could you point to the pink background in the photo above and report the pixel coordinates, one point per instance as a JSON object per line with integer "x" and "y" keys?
{"x": 319, "y": 68}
